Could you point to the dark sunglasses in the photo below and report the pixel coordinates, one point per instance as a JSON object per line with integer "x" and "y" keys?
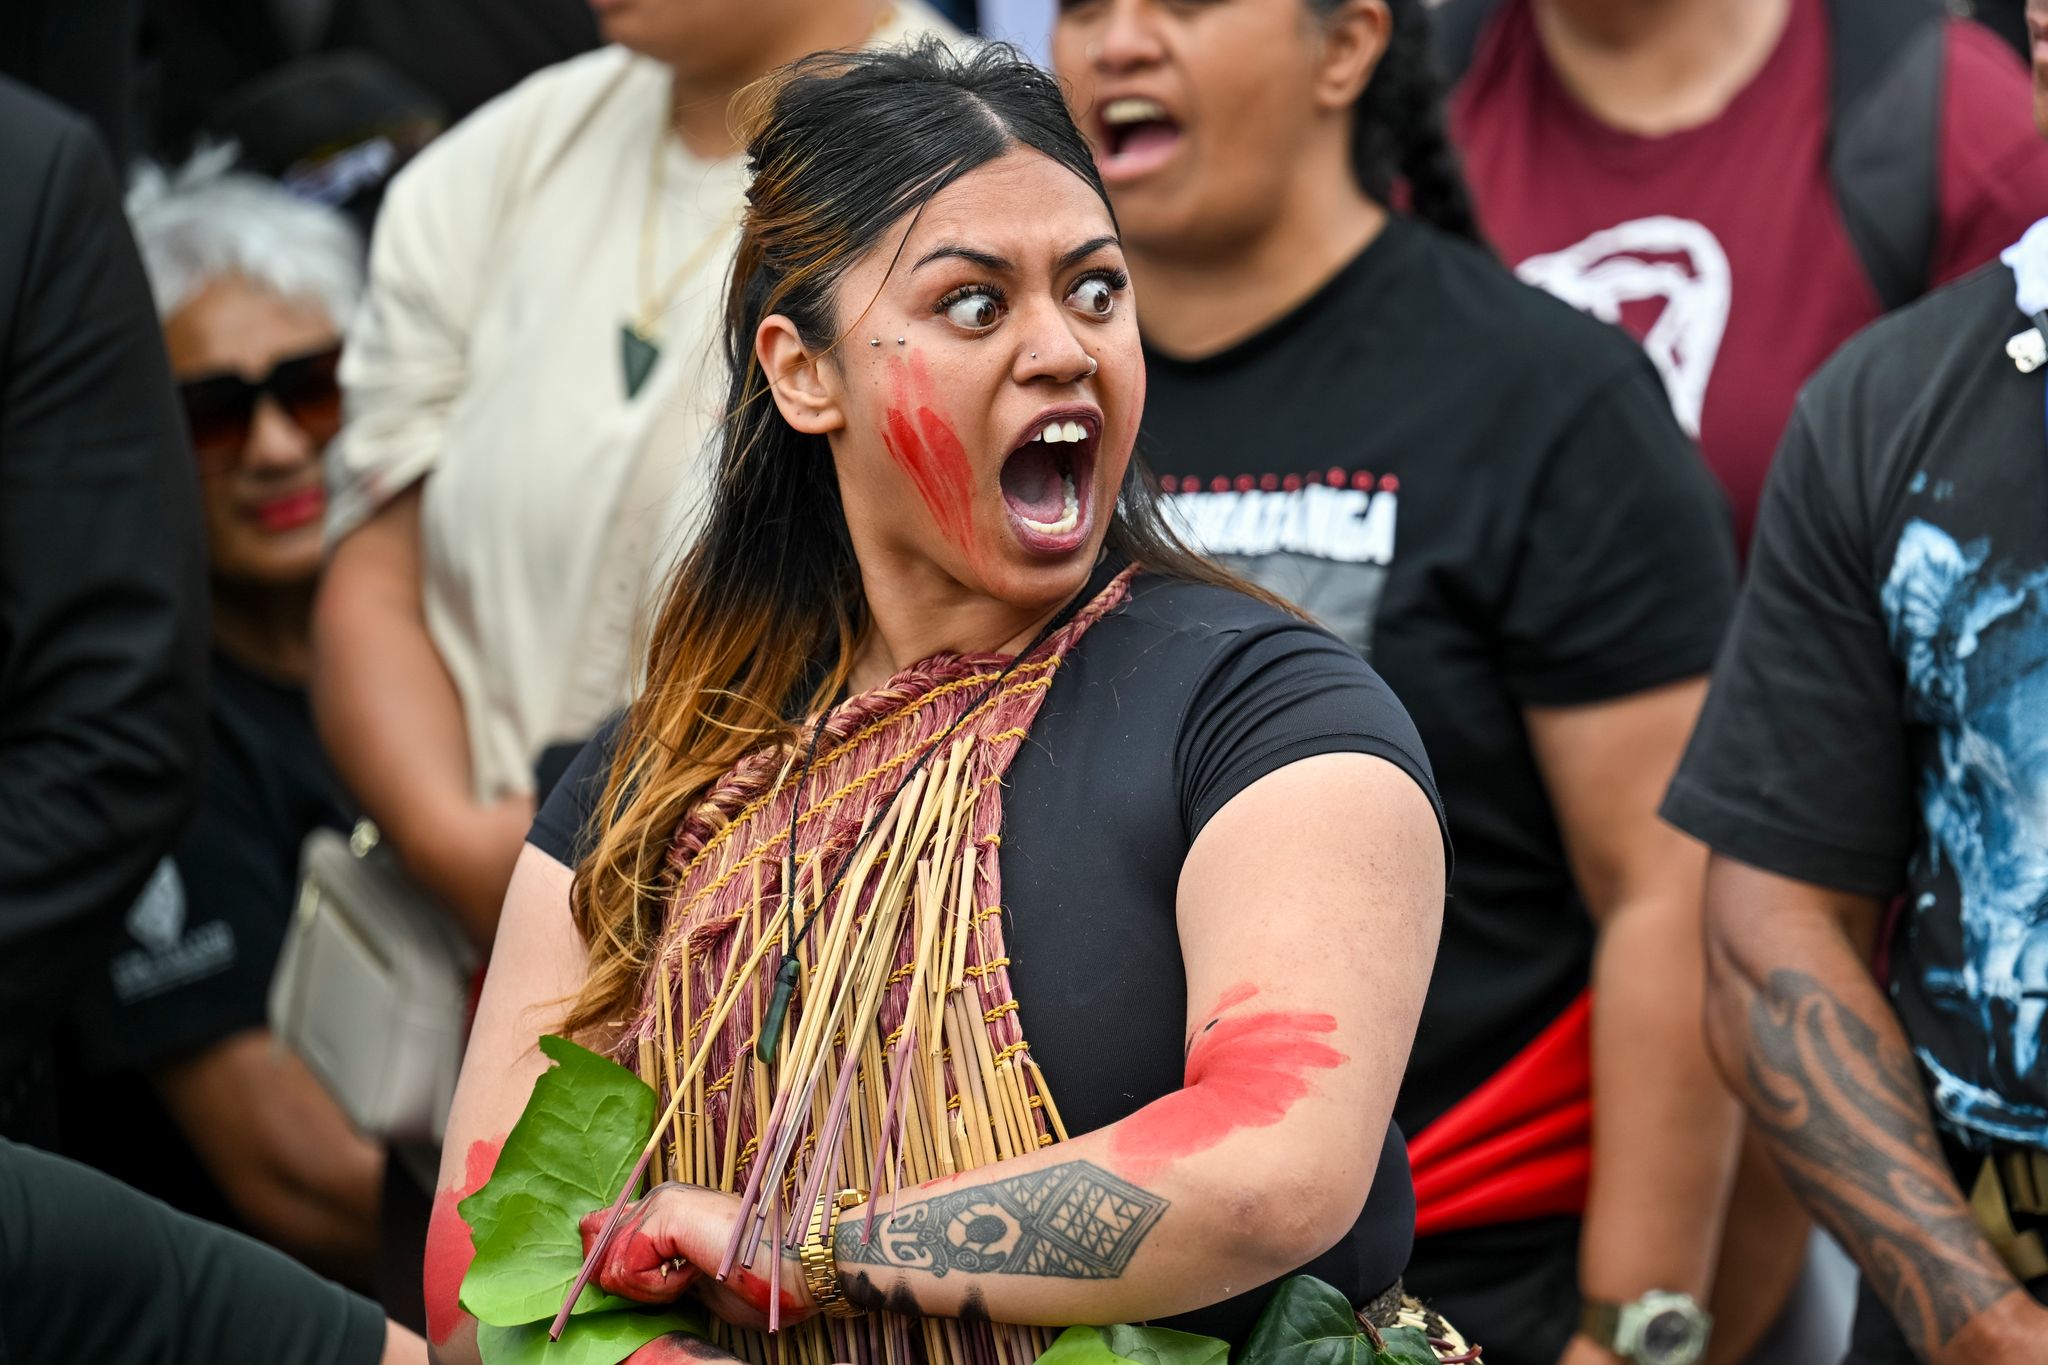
{"x": 220, "y": 408}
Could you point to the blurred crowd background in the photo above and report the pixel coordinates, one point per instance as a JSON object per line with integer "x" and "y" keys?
{"x": 355, "y": 375}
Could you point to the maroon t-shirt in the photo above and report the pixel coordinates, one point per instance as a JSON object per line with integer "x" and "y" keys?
{"x": 1721, "y": 248}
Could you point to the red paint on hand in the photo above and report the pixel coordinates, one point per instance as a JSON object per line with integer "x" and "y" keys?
{"x": 925, "y": 448}
{"x": 754, "y": 1290}
{"x": 640, "y": 1262}
{"x": 1242, "y": 1072}
{"x": 450, "y": 1248}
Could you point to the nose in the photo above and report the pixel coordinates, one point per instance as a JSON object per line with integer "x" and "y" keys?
{"x": 1128, "y": 39}
{"x": 277, "y": 445}
{"x": 1053, "y": 353}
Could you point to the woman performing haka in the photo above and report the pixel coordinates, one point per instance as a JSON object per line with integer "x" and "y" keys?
{"x": 1025, "y": 922}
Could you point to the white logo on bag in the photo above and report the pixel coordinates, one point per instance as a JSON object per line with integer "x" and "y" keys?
{"x": 1671, "y": 260}
{"x": 168, "y": 956}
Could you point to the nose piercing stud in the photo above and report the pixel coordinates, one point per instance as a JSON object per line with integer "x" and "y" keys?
{"x": 1034, "y": 355}
{"x": 1093, "y": 366}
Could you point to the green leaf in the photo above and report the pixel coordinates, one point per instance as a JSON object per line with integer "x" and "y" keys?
{"x": 570, "y": 1152}
{"x": 1309, "y": 1323}
{"x": 591, "y": 1339}
{"x": 1406, "y": 1346}
{"x": 1134, "y": 1346}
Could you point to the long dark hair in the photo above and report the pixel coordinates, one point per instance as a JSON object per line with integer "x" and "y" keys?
{"x": 762, "y": 617}
{"x": 1399, "y": 135}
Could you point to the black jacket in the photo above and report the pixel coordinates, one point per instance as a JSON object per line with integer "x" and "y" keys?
{"x": 102, "y": 582}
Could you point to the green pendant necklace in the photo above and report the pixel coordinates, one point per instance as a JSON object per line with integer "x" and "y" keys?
{"x": 640, "y": 335}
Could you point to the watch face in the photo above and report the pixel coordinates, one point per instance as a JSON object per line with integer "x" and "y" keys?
{"x": 1671, "y": 1337}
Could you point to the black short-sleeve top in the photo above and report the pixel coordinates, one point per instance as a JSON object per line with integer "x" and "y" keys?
{"x": 1169, "y": 706}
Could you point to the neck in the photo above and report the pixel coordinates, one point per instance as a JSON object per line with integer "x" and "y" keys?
{"x": 1653, "y": 67}
{"x": 700, "y": 102}
{"x": 1203, "y": 300}
{"x": 915, "y": 611}
{"x": 268, "y": 629}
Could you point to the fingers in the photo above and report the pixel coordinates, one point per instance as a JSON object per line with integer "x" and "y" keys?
{"x": 644, "y": 1260}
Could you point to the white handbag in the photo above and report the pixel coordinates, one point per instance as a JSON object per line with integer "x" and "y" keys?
{"x": 372, "y": 987}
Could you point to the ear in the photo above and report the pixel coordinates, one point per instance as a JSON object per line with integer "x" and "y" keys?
{"x": 1355, "y": 38}
{"x": 806, "y": 388}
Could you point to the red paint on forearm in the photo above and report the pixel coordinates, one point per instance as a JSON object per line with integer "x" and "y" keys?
{"x": 925, "y": 447}
{"x": 450, "y": 1248}
{"x": 1242, "y": 1072}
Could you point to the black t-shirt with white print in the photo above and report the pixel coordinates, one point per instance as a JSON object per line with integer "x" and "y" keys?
{"x": 193, "y": 967}
{"x": 1486, "y": 493}
{"x": 1879, "y": 722}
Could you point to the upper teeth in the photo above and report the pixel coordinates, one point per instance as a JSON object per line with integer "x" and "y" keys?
{"x": 1131, "y": 109}
{"x": 1056, "y": 432}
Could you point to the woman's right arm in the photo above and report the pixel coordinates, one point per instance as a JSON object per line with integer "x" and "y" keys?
{"x": 536, "y": 967}
{"x": 389, "y": 714}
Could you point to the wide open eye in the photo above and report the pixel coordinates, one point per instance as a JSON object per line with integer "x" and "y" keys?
{"x": 1095, "y": 296}
{"x": 972, "y": 309}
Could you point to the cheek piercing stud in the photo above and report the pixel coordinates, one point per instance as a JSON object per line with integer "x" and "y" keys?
{"x": 899, "y": 341}
{"x": 874, "y": 341}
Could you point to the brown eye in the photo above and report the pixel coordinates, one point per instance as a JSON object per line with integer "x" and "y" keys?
{"x": 975, "y": 312}
{"x": 1094, "y": 296}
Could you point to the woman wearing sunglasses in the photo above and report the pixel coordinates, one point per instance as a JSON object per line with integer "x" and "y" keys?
{"x": 251, "y": 285}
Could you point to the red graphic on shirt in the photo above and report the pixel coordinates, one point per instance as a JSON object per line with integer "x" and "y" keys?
{"x": 1245, "y": 1071}
{"x": 1722, "y": 247}
{"x": 923, "y": 446}
{"x": 450, "y": 1247}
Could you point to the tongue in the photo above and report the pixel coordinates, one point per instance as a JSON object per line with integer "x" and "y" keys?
{"x": 1140, "y": 138}
{"x": 1032, "y": 485}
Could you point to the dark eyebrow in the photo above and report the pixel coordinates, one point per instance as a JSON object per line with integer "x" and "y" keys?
{"x": 991, "y": 262}
{"x": 983, "y": 259}
{"x": 1087, "y": 249}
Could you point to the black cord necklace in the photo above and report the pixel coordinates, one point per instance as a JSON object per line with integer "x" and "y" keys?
{"x": 786, "y": 975}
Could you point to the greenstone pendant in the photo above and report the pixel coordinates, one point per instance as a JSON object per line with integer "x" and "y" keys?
{"x": 637, "y": 355}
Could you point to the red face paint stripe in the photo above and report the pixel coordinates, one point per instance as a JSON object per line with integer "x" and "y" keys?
{"x": 926, "y": 448}
{"x": 449, "y": 1247}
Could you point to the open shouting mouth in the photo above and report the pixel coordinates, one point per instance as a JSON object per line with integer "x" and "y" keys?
{"x": 1137, "y": 137}
{"x": 1047, "y": 480}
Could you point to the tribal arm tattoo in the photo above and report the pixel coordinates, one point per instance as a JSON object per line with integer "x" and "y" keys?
{"x": 1836, "y": 1096}
{"x": 1071, "y": 1221}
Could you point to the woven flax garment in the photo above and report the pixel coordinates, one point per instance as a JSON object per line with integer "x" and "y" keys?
{"x": 903, "y": 1058}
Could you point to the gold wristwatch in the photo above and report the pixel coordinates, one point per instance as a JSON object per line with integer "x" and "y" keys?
{"x": 821, "y": 1265}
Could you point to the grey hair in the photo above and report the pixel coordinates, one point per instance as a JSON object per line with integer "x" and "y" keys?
{"x": 204, "y": 221}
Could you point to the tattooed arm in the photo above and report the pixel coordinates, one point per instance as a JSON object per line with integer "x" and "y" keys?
{"x": 1809, "y": 1042}
{"x": 1306, "y": 950}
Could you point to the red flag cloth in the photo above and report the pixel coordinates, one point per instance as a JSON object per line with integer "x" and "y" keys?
{"x": 1521, "y": 1145}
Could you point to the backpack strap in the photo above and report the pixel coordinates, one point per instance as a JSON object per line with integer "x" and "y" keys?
{"x": 1884, "y": 149}
{"x": 1454, "y": 29}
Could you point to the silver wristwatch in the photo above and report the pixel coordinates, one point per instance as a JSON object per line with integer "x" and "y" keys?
{"x": 1660, "y": 1328}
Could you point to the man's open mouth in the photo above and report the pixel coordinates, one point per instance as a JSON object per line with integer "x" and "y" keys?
{"x": 1138, "y": 135}
{"x": 1045, "y": 481}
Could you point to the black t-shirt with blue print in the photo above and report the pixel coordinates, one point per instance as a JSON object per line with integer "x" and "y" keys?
{"x": 1879, "y": 721}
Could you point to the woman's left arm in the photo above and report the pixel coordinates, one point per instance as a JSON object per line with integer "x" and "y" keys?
{"x": 1665, "y": 1129}
{"x": 1309, "y": 908}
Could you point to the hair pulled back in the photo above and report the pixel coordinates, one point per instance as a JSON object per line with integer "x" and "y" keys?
{"x": 760, "y": 621}
{"x": 1399, "y": 133}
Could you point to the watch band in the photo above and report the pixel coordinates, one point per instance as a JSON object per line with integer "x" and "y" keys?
{"x": 1600, "y": 1323}
{"x": 820, "y": 1265}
